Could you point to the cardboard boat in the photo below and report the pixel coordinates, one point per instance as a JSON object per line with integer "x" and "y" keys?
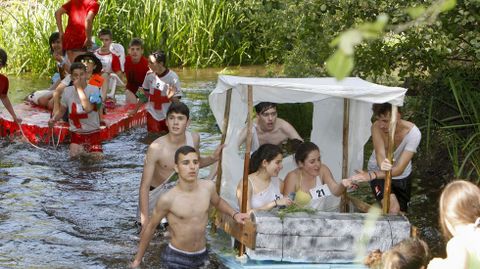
{"x": 35, "y": 128}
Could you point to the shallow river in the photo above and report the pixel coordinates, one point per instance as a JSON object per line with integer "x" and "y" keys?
{"x": 62, "y": 213}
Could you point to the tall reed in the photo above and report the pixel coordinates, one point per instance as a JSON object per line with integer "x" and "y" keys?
{"x": 192, "y": 32}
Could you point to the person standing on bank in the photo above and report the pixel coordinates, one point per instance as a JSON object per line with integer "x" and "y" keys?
{"x": 186, "y": 207}
{"x": 406, "y": 140}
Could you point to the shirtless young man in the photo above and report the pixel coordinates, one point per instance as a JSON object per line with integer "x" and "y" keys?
{"x": 268, "y": 128}
{"x": 186, "y": 207}
{"x": 159, "y": 163}
{"x": 407, "y": 139}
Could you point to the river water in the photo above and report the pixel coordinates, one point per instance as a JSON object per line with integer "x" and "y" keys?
{"x": 62, "y": 213}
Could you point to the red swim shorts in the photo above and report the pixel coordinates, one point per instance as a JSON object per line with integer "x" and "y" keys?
{"x": 91, "y": 142}
{"x": 155, "y": 126}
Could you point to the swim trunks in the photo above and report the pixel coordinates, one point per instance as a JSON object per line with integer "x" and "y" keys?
{"x": 400, "y": 187}
{"x": 178, "y": 259}
{"x": 91, "y": 142}
{"x": 155, "y": 126}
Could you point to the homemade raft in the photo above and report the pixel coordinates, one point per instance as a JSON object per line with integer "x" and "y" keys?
{"x": 35, "y": 123}
{"x": 341, "y": 123}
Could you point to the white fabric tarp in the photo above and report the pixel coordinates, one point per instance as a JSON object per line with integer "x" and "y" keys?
{"x": 327, "y": 95}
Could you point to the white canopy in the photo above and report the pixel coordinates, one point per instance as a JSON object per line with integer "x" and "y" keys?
{"x": 327, "y": 95}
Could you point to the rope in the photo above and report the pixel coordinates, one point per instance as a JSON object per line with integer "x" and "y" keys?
{"x": 24, "y": 136}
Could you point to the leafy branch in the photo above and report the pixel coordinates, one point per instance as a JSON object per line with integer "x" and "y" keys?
{"x": 340, "y": 64}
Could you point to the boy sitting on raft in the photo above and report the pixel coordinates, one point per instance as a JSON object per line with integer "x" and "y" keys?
{"x": 136, "y": 68}
{"x": 81, "y": 100}
{"x": 110, "y": 61}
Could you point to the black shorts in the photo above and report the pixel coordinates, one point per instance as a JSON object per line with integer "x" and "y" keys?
{"x": 400, "y": 187}
{"x": 174, "y": 259}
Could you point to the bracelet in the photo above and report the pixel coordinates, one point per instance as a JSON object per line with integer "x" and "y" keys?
{"x": 234, "y": 214}
{"x": 376, "y": 176}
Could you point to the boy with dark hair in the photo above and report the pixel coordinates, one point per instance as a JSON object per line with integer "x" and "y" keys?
{"x": 4, "y": 85}
{"x": 83, "y": 116}
{"x": 159, "y": 163}
{"x": 161, "y": 87}
{"x": 136, "y": 68}
{"x": 186, "y": 207}
{"x": 77, "y": 37}
{"x": 110, "y": 61}
{"x": 268, "y": 128}
{"x": 407, "y": 139}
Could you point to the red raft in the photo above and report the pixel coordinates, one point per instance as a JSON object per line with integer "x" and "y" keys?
{"x": 35, "y": 123}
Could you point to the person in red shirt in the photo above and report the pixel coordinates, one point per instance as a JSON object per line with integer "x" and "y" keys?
{"x": 4, "y": 88}
{"x": 136, "y": 68}
{"x": 77, "y": 37}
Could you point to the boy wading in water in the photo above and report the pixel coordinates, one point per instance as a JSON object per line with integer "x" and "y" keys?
{"x": 159, "y": 161}
{"x": 81, "y": 100}
{"x": 186, "y": 208}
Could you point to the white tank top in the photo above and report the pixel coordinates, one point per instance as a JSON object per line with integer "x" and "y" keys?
{"x": 271, "y": 193}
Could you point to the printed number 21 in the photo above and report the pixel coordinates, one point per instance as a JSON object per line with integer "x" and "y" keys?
{"x": 320, "y": 193}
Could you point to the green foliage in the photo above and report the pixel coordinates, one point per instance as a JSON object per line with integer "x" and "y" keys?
{"x": 299, "y": 116}
{"x": 293, "y": 208}
{"x": 192, "y": 32}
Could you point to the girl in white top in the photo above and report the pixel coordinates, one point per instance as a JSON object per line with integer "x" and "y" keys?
{"x": 264, "y": 187}
{"x": 460, "y": 223}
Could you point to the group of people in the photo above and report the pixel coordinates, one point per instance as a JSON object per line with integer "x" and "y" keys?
{"x": 78, "y": 94}
{"x": 80, "y": 88}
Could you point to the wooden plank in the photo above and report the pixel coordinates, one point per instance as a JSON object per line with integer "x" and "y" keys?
{"x": 218, "y": 182}
{"x": 346, "y": 131}
{"x": 226, "y": 119}
{"x": 244, "y": 233}
{"x": 246, "y": 164}
{"x": 388, "y": 176}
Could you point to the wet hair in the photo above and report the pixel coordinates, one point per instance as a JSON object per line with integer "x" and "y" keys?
{"x": 105, "y": 32}
{"x": 179, "y": 108}
{"x": 3, "y": 57}
{"x": 303, "y": 150}
{"x": 77, "y": 65}
{"x": 264, "y": 106}
{"x": 459, "y": 204}
{"x": 382, "y": 109}
{"x": 52, "y": 39}
{"x": 184, "y": 150}
{"x": 266, "y": 152}
{"x": 410, "y": 253}
{"x": 160, "y": 56}
{"x": 136, "y": 42}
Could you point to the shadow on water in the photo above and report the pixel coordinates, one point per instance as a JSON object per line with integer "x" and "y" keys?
{"x": 63, "y": 213}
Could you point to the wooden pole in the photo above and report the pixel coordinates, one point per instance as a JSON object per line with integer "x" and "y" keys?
{"x": 218, "y": 182}
{"x": 388, "y": 176}
{"x": 246, "y": 163}
{"x": 346, "y": 130}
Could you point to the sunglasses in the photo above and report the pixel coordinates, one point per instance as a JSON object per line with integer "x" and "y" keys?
{"x": 85, "y": 61}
